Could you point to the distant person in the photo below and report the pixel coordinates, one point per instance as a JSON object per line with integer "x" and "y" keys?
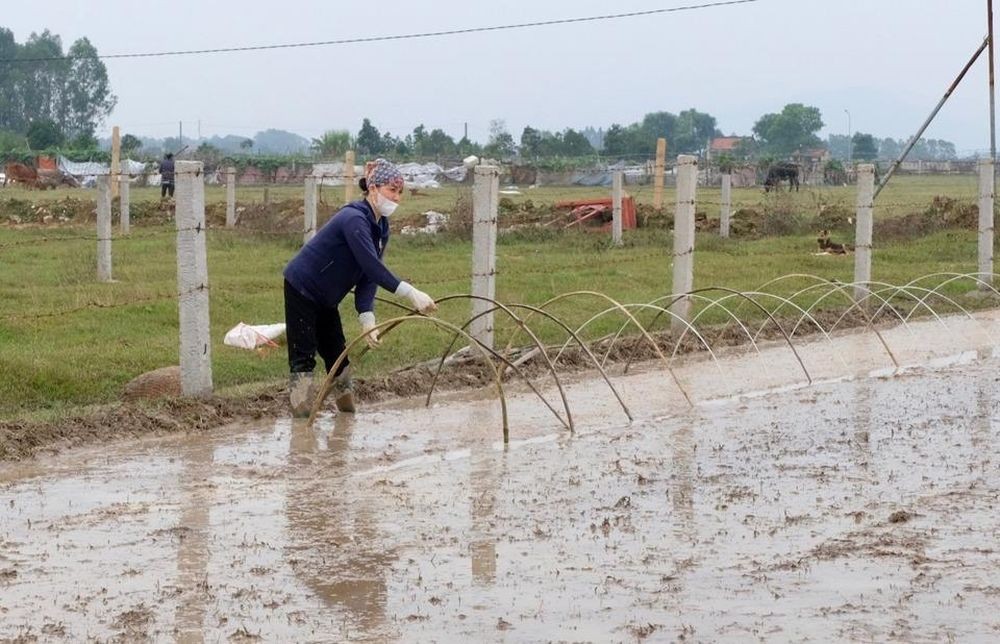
{"x": 345, "y": 254}
{"x": 167, "y": 175}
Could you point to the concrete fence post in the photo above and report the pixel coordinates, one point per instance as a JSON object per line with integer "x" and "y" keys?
{"x": 116, "y": 156}
{"x": 687, "y": 184}
{"x": 485, "y": 206}
{"x": 309, "y": 229}
{"x": 103, "y": 228}
{"x": 349, "y": 176}
{"x": 727, "y": 204}
{"x": 863, "y": 230}
{"x": 124, "y": 196}
{"x": 986, "y": 199}
{"x": 616, "y": 208}
{"x": 192, "y": 281}
{"x": 230, "y": 197}
{"x": 658, "y": 171}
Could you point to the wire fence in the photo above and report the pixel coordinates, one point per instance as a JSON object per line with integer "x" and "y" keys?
{"x": 531, "y": 256}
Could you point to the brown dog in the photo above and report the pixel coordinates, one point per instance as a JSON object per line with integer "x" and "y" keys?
{"x": 831, "y": 247}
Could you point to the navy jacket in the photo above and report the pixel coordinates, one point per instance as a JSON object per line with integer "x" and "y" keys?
{"x": 346, "y": 253}
{"x": 166, "y": 170}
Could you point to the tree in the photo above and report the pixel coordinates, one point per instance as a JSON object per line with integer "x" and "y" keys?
{"x": 439, "y": 144}
{"x": 692, "y": 131}
{"x": 501, "y": 143}
{"x": 369, "y": 140}
{"x": 72, "y": 90}
{"x": 655, "y": 125}
{"x": 575, "y": 144}
{"x": 44, "y": 134}
{"x": 129, "y": 144}
{"x": 790, "y": 130}
{"x": 864, "y": 147}
{"x": 618, "y": 140}
{"x": 88, "y": 99}
{"x": 333, "y": 143}
{"x": 84, "y": 141}
{"x": 247, "y": 144}
{"x": 419, "y": 140}
{"x": 837, "y": 144}
{"x": 531, "y": 140}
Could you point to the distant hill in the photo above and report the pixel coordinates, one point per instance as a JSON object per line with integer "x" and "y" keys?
{"x": 266, "y": 142}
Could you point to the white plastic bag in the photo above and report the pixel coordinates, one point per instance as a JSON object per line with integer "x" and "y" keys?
{"x": 246, "y": 336}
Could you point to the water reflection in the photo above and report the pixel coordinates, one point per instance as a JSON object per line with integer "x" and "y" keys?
{"x": 485, "y": 476}
{"x": 335, "y": 542}
{"x": 682, "y": 473}
{"x": 192, "y": 532}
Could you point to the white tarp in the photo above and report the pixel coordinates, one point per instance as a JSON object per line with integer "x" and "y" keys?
{"x": 416, "y": 175}
{"x": 86, "y": 171}
{"x": 332, "y": 174}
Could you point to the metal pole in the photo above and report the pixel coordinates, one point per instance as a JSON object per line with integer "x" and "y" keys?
{"x": 916, "y": 137}
{"x": 993, "y": 124}
{"x": 850, "y": 143}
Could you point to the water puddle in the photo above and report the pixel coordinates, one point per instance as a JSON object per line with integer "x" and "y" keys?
{"x": 861, "y": 506}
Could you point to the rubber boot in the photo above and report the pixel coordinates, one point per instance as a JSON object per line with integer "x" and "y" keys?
{"x": 301, "y": 393}
{"x": 343, "y": 391}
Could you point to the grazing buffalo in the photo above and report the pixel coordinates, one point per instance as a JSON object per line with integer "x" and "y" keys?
{"x": 55, "y": 178}
{"x": 20, "y": 173}
{"x": 782, "y": 171}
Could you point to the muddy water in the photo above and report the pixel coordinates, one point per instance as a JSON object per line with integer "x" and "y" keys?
{"x": 861, "y": 507}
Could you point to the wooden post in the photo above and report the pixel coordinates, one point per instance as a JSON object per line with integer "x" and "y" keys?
{"x": 658, "y": 172}
{"x": 485, "y": 205}
{"x": 116, "y": 160}
{"x": 230, "y": 197}
{"x": 103, "y": 228}
{"x": 727, "y": 204}
{"x": 687, "y": 184}
{"x": 863, "y": 230}
{"x": 349, "y": 176}
{"x": 616, "y": 208}
{"x": 309, "y": 226}
{"x": 123, "y": 204}
{"x": 986, "y": 199}
{"x": 192, "y": 281}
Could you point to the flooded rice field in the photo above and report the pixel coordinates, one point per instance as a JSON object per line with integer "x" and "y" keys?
{"x": 861, "y": 507}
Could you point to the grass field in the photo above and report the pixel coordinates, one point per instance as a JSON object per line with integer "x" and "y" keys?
{"x": 66, "y": 340}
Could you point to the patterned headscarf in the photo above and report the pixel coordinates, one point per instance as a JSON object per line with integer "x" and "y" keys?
{"x": 382, "y": 173}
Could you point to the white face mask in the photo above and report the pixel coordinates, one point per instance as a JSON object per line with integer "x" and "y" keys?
{"x": 386, "y": 206}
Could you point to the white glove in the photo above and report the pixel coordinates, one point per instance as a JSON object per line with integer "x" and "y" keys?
{"x": 367, "y": 320}
{"x": 421, "y": 301}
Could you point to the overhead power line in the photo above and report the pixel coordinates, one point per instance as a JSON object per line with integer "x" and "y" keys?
{"x": 370, "y": 39}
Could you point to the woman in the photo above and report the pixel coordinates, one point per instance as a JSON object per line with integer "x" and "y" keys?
{"x": 346, "y": 253}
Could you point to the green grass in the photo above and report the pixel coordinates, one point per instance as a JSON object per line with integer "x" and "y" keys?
{"x": 66, "y": 340}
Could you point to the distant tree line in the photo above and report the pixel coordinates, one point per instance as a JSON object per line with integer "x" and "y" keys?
{"x": 51, "y": 103}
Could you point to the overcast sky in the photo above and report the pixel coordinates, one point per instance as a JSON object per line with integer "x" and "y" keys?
{"x": 886, "y": 61}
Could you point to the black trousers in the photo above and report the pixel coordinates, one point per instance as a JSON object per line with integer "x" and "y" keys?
{"x": 166, "y": 187}
{"x": 311, "y": 328}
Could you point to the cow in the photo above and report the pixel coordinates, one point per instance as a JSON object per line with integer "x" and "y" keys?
{"x": 781, "y": 171}
{"x": 20, "y": 173}
{"x": 55, "y": 178}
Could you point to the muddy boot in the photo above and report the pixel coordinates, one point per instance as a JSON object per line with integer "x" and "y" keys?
{"x": 301, "y": 393}
{"x": 343, "y": 391}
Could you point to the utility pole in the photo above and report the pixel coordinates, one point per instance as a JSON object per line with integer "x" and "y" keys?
{"x": 180, "y": 134}
{"x": 850, "y": 141}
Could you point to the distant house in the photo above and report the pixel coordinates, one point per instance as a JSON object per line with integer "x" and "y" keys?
{"x": 812, "y": 155}
{"x": 725, "y": 144}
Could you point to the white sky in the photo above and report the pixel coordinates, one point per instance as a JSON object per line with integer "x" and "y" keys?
{"x": 886, "y": 61}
